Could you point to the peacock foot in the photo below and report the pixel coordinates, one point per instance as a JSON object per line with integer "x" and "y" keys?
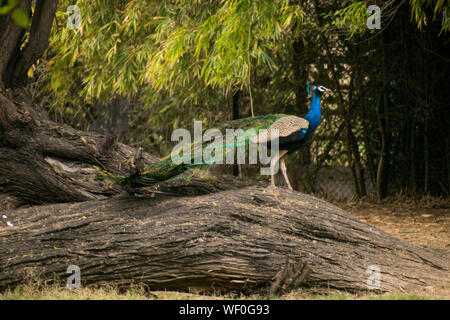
{"x": 271, "y": 187}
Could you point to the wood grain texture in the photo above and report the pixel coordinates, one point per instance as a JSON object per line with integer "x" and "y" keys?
{"x": 237, "y": 239}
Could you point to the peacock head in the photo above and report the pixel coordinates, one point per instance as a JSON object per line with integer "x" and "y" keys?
{"x": 318, "y": 89}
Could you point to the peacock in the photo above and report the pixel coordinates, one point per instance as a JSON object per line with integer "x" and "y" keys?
{"x": 292, "y": 131}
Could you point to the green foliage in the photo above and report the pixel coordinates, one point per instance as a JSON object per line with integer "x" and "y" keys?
{"x": 18, "y": 15}
{"x": 238, "y": 36}
{"x": 141, "y": 46}
{"x": 353, "y": 17}
{"x": 148, "y": 47}
{"x": 440, "y": 9}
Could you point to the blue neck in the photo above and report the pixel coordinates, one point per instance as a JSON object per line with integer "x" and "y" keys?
{"x": 314, "y": 114}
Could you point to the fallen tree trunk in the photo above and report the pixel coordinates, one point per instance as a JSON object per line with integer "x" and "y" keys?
{"x": 241, "y": 239}
{"x": 42, "y": 161}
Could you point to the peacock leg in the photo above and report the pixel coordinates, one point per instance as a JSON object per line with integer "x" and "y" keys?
{"x": 273, "y": 162}
{"x": 284, "y": 170}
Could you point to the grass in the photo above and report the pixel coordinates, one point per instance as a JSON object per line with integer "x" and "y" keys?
{"x": 41, "y": 291}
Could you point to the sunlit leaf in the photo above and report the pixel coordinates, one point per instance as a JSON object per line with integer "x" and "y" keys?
{"x": 20, "y": 17}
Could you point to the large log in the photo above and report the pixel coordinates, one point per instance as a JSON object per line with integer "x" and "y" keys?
{"x": 42, "y": 161}
{"x": 240, "y": 239}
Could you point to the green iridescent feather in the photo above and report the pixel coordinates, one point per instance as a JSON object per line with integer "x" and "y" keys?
{"x": 166, "y": 169}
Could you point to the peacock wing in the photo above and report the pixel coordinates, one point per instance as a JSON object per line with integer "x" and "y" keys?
{"x": 286, "y": 126}
{"x": 256, "y": 123}
{"x": 245, "y": 129}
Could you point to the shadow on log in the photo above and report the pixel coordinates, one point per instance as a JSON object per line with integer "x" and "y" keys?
{"x": 240, "y": 239}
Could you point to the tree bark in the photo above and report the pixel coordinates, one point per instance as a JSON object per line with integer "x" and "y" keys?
{"x": 15, "y": 58}
{"x": 42, "y": 161}
{"x": 11, "y": 37}
{"x": 242, "y": 240}
{"x": 41, "y": 25}
{"x": 384, "y": 159}
{"x": 235, "y": 116}
{"x": 358, "y": 169}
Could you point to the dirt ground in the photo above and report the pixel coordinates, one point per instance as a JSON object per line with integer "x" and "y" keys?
{"x": 423, "y": 221}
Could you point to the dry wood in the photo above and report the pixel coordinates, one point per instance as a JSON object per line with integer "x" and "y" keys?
{"x": 238, "y": 239}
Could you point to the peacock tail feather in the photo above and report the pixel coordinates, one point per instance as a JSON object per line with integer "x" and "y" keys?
{"x": 166, "y": 168}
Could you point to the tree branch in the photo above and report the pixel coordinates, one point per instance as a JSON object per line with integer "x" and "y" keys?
{"x": 41, "y": 25}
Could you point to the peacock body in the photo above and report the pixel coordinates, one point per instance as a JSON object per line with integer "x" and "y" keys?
{"x": 292, "y": 131}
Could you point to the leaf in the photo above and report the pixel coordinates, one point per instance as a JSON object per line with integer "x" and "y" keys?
{"x": 7, "y": 8}
{"x": 20, "y": 17}
{"x": 30, "y": 72}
